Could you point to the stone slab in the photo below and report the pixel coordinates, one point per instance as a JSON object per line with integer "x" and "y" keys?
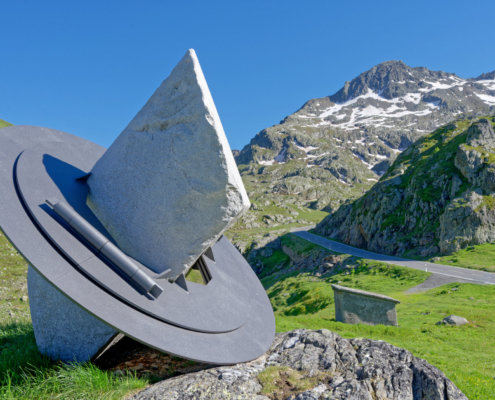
{"x": 63, "y": 330}
{"x": 354, "y": 306}
{"x": 168, "y": 187}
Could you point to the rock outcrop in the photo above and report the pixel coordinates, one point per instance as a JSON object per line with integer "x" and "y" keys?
{"x": 438, "y": 197}
{"x": 324, "y": 366}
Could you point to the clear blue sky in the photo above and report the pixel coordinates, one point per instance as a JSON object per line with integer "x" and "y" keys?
{"x": 87, "y": 67}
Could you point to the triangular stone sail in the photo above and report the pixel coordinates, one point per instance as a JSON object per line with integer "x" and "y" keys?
{"x": 168, "y": 187}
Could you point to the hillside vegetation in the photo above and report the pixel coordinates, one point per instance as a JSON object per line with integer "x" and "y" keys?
{"x": 3, "y": 123}
{"x": 302, "y": 299}
{"x": 437, "y": 198}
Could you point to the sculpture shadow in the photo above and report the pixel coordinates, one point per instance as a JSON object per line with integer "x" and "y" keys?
{"x": 65, "y": 176}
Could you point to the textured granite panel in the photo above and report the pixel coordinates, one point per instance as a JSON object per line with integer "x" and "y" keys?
{"x": 63, "y": 330}
{"x": 168, "y": 187}
{"x": 354, "y": 306}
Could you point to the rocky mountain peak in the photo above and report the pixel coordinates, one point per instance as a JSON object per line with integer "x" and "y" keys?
{"x": 377, "y": 79}
{"x": 353, "y": 136}
{"x": 391, "y": 79}
{"x": 486, "y": 76}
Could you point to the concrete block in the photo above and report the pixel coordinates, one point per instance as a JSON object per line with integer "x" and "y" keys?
{"x": 353, "y": 306}
{"x": 63, "y": 330}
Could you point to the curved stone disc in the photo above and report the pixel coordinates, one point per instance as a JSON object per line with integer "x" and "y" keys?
{"x": 241, "y": 345}
{"x": 50, "y": 169}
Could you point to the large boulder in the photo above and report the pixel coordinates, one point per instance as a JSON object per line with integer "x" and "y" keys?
{"x": 168, "y": 187}
{"x": 332, "y": 367}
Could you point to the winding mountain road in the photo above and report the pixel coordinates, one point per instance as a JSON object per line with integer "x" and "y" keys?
{"x": 446, "y": 270}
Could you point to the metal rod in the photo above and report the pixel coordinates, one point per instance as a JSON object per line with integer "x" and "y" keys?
{"x": 103, "y": 246}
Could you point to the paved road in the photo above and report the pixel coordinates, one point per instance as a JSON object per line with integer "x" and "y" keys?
{"x": 447, "y": 270}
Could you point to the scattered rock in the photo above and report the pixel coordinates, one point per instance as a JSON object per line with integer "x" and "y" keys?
{"x": 453, "y": 320}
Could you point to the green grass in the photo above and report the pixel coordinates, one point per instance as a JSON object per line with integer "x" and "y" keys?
{"x": 26, "y": 374}
{"x": 3, "y": 123}
{"x": 195, "y": 276}
{"x": 13, "y": 283}
{"x": 465, "y": 354}
{"x": 480, "y": 257}
{"x": 297, "y": 244}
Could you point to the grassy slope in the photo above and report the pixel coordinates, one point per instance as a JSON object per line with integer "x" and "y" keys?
{"x": 422, "y": 165}
{"x": 259, "y": 185}
{"x": 480, "y": 257}
{"x": 3, "y": 123}
{"x": 465, "y": 354}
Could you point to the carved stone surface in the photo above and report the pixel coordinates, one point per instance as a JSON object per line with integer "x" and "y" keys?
{"x": 168, "y": 187}
{"x": 63, "y": 330}
{"x": 354, "y": 306}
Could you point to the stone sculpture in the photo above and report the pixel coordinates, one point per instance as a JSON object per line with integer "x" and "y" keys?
{"x": 110, "y": 235}
{"x": 168, "y": 187}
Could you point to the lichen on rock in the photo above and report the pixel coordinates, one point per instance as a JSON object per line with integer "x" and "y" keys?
{"x": 315, "y": 365}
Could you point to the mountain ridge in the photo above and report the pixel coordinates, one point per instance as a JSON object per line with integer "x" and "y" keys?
{"x": 412, "y": 101}
{"x": 437, "y": 198}
{"x": 328, "y": 154}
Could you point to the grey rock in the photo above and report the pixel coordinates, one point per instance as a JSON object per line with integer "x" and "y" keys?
{"x": 466, "y": 222}
{"x": 453, "y": 320}
{"x": 168, "y": 187}
{"x": 24, "y": 298}
{"x": 481, "y": 134}
{"x": 357, "y": 369}
{"x": 313, "y": 394}
{"x": 63, "y": 330}
{"x": 468, "y": 161}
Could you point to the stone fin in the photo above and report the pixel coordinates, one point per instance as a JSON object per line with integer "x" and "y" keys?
{"x": 181, "y": 281}
{"x": 209, "y": 253}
